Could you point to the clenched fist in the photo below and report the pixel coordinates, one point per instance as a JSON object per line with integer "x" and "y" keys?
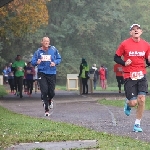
{"x": 39, "y": 61}
{"x": 128, "y": 62}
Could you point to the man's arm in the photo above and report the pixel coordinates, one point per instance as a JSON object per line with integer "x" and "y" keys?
{"x": 34, "y": 58}
{"x": 118, "y": 60}
{"x": 147, "y": 62}
{"x": 57, "y": 56}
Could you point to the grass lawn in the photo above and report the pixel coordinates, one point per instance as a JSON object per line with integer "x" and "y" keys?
{"x": 120, "y": 103}
{"x": 2, "y": 91}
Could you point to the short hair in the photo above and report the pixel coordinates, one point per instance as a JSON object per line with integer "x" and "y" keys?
{"x": 44, "y": 38}
{"x": 94, "y": 65}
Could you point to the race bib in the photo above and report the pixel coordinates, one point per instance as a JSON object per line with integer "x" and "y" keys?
{"x": 20, "y": 68}
{"x": 46, "y": 57}
{"x": 28, "y": 71}
{"x": 136, "y": 75}
{"x": 119, "y": 69}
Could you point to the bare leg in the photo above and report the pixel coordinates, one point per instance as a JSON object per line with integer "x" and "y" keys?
{"x": 141, "y": 106}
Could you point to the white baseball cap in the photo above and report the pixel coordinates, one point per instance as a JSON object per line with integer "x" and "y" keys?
{"x": 134, "y": 25}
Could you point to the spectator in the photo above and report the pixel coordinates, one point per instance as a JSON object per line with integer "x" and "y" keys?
{"x": 102, "y": 76}
{"x": 95, "y": 73}
{"x": 106, "y": 75}
{"x": 83, "y": 74}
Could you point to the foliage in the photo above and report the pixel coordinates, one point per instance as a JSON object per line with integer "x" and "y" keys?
{"x": 20, "y": 17}
{"x": 79, "y": 28}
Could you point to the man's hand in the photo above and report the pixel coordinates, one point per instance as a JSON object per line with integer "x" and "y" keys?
{"x": 39, "y": 61}
{"x": 149, "y": 58}
{"x": 128, "y": 62}
{"x": 52, "y": 64}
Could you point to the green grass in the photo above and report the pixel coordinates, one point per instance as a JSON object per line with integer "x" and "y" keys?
{"x": 16, "y": 128}
{"x": 120, "y": 103}
{"x": 2, "y": 91}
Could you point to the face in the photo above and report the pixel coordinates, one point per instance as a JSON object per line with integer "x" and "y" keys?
{"x": 136, "y": 32}
{"x": 29, "y": 64}
{"x": 18, "y": 57}
{"x": 45, "y": 42}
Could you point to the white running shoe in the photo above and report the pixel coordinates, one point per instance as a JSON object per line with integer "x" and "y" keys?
{"x": 47, "y": 114}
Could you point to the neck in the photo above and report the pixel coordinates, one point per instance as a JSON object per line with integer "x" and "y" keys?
{"x": 44, "y": 48}
{"x": 136, "y": 39}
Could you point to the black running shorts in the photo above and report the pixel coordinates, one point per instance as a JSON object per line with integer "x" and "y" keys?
{"x": 134, "y": 87}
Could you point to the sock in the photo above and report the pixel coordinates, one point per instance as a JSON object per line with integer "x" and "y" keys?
{"x": 137, "y": 121}
{"x": 127, "y": 101}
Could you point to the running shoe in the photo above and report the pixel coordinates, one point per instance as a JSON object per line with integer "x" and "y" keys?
{"x": 51, "y": 106}
{"x": 47, "y": 114}
{"x": 137, "y": 128}
{"x": 127, "y": 109}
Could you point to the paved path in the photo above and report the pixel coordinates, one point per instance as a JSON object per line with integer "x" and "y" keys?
{"x": 84, "y": 110}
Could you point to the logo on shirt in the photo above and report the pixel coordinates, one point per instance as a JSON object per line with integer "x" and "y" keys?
{"x": 136, "y": 53}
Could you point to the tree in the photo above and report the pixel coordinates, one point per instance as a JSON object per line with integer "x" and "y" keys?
{"x": 22, "y": 16}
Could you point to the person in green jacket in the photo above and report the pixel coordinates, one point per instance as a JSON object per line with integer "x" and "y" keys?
{"x": 84, "y": 75}
{"x": 19, "y": 66}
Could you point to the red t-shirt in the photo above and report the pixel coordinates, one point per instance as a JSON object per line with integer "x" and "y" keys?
{"x": 137, "y": 52}
{"x": 118, "y": 69}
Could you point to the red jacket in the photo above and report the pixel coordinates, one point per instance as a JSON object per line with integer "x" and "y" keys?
{"x": 102, "y": 73}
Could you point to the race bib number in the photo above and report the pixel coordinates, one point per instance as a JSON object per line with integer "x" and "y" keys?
{"x": 120, "y": 69}
{"x": 136, "y": 75}
{"x": 20, "y": 68}
{"x": 46, "y": 57}
{"x": 28, "y": 71}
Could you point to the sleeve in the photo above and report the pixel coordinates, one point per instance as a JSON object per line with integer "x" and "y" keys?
{"x": 147, "y": 52}
{"x": 118, "y": 60}
{"x": 34, "y": 58}
{"x": 120, "y": 50}
{"x": 57, "y": 56}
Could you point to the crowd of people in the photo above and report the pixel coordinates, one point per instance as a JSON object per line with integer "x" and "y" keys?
{"x": 97, "y": 75}
{"x": 20, "y": 76}
{"x": 37, "y": 74}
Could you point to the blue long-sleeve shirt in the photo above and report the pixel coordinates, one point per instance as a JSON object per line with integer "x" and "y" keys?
{"x": 44, "y": 66}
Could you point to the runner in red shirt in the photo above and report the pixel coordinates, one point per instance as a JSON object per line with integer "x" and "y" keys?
{"x": 118, "y": 69}
{"x": 134, "y": 51}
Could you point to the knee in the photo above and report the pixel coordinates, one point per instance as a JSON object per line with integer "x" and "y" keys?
{"x": 141, "y": 99}
{"x": 133, "y": 103}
